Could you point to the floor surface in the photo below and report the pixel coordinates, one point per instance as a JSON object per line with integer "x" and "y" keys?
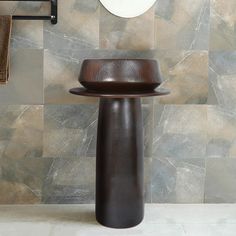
{"x": 79, "y": 220}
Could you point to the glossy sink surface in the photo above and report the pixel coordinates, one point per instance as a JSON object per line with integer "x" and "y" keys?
{"x": 120, "y": 75}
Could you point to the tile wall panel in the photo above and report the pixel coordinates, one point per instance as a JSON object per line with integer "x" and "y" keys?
{"x": 48, "y": 136}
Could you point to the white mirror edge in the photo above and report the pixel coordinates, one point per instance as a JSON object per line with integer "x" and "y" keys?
{"x": 127, "y": 8}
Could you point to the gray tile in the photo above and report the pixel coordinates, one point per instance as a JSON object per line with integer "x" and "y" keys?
{"x": 223, "y": 34}
{"x": 21, "y": 131}
{"x": 220, "y": 181}
{"x": 21, "y": 180}
{"x": 70, "y": 181}
{"x": 178, "y": 181}
{"x": 212, "y": 99}
{"x": 70, "y": 131}
{"x": 148, "y": 180}
{"x": 182, "y": 24}
{"x": 25, "y": 84}
{"x": 89, "y": 6}
{"x": 77, "y": 28}
{"x": 222, "y": 76}
{"x": 221, "y": 133}
{"x": 223, "y": 62}
{"x": 180, "y": 146}
{"x": 185, "y": 74}
{"x": 147, "y": 109}
{"x": 180, "y": 131}
{"x": 129, "y": 34}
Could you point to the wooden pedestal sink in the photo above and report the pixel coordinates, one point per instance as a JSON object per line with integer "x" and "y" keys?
{"x": 119, "y": 84}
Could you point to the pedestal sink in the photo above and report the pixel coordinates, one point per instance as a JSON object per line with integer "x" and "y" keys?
{"x": 119, "y": 84}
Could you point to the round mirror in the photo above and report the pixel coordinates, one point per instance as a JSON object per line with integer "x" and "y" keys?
{"x": 127, "y": 8}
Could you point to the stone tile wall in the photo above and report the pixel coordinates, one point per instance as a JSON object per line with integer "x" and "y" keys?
{"x": 48, "y": 136}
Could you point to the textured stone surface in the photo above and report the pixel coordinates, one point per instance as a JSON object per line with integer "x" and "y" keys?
{"x": 70, "y": 130}
{"x": 220, "y": 181}
{"x": 25, "y": 34}
{"x": 60, "y": 76}
{"x": 185, "y": 73}
{"x": 222, "y": 78}
{"x": 182, "y": 24}
{"x": 178, "y": 181}
{"x": 221, "y": 133}
{"x": 16, "y": 193}
{"x": 122, "y": 33}
{"x": 21, "y": 181}
{"x": 77, "y": 28}
{"x": 25, "y": 84}
{"x": 223, "y": 23}
{"x": 50, "y": 157}
{"x": 180, "y": 132}
{"x": 21, "y": 131}
{"x": 70, "y": 181}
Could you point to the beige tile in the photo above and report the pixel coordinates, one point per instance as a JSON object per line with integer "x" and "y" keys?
{"x": 185, "y": 74}
{"x": 223, "y": 24}
{"x": 27, "y": 34}
{"x": 182, "y": 25}
{"x": 129, "y": 34}
{"x": 21, "y": 131}
{"x": 16, "y": 193}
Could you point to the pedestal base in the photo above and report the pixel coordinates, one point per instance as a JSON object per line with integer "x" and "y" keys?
{"x": 119, "y": 183}
{"x": 119, "y": 168}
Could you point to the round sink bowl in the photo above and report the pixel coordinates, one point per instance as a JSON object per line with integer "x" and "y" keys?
{"x": 120, "y": 75}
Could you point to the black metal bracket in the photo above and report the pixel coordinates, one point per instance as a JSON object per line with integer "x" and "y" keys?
{"x": 54, "y": 12}
{"x": 52, "y": 17}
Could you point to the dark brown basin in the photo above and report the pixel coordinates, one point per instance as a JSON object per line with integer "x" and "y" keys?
{"x": 119, "y": 75}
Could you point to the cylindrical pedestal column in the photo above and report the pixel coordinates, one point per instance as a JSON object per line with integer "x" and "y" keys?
{"x": 119, "y": 168}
